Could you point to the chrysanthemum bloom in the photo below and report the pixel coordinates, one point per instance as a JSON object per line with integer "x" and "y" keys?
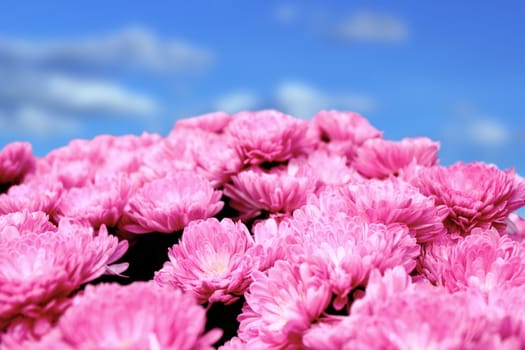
{"x": 343, "y": 132}
{"x": 505, "y": 307}
{"x": 396, "y": 314}
{"x": 378, "y": 158}
{"x": 99, "y": 203}
{"x": 327, "y": 169}
{"x": 139, "y": 316}
{"x": 477, "y": 194}
{"x": 395, "y": 201}
{"x": 212, "y": 155}
{"x": 268, "y": 136}
{"x": 214, "y": 122}
{"x": 234, "y": 344}
{"x": 217, "y": 161}
{"x": 73, "y": 165}
{"x": 171, "y": 155}
{"x": 279, "y": 191}
{"x": 281, "y": 305}
{"x": 39, "y": 271}
{"x": 127, "y": 153}
{"x": 168, "y": 204}
{"x": 211, "y": 261}
{"x": 483, "y": 260}
{"x": 33, "y": 196}
{"x": 343, "y": 249}
{"x": 16, "y": 160}
{"x": 70, "y": 173}
{"x": 76, "y": 164}
{"x": 134, "y": 143}
{"x": 273, "y": 241}
{"x": 22, "y": 222}
{"x": 515, "y": 227}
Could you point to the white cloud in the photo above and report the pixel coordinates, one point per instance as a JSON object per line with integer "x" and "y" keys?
{"x": 237, "y": 101}
{"x": 370, "y": 26}
{"x": 286, "y": 13}
{"x": 472, "y": 127}
{"x": 92, "y": 95}
{"x": 475, "y": 128}
{"x": 132, "y": 47}
{"x": 53, "y": 86}
{"x": 303, "y": 100}
{"x": 61, "y": 93}
{"x": 488, "y": 132}
{"x": 37, "y": 122}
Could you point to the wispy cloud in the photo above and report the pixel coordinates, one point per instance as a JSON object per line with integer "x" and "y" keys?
{"x": 38, "y": 123}
{"x": 132, "y": 48}
{"x": 491, "y": 132}
{"x": 237, "y": 101}
{"x": 303, "y": 100}
{"x": 295, "y": 98}
{"x": 372, "y": 27}
{"x": 478, "y": 129}
{"x": 54, "y": 86}
{"x": 67, "y": 94}
{"x": 286, "y": 12}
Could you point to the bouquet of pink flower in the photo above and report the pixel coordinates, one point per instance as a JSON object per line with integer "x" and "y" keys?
{"x": 259, "y": 231}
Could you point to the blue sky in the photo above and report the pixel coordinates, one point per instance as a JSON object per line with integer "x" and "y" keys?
{"x": 452, "y": 71}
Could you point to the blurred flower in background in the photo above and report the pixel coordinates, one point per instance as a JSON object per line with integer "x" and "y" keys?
{"x": 450, "y": 71}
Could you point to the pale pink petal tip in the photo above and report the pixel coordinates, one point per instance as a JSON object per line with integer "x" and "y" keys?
{"x": 40, "y": 270}
{"x": 16, "y": 160}
{"x": 211, "y": 261}
{"x": 281, "y": 305}
{"x": 477, "y": 195}
{"x": 138, "y": 316}
{"x": 378, "y": 158}
{"x": 279, "y": 191}
{"x": 168, "y": 204}
{"x": 268, "y": 136}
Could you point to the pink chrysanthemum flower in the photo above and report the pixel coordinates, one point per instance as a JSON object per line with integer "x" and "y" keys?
{"x": 211, "y": 261}
{"x": 281, "y": 305}
{"x": 217, "y": 161}
{"x": 134, "y": 143}
{"x": 326, "y": 169}
{"x": 99, "y": 203}
{"x": 76, "y": 164}
{"x": 342, "y": 132}
{"x": 505, "y": 307}
{"x": 212, "y": 155}
{"x": 16, "y": 160}
{"x": 33, "y": 196}
{"x": 343, "y": 249}
{"x": 268, "y": 136}
{"x": 127, "y": 154}
{"x": 379, "y": 158}
{"x": 214, "y": 122}
{"x": 273, "y": 241}
{"x": 168, "y": 204}
{"x": 515, "y": 227}
{"x": 396, "y": 314}
{"x": 171, "y": 155}
{"x": 477, "y": 194}
{"x": 22, "y": 222}
{"x": 395, "y": 201}
{"x": 39, "y": 271}
{"x": 279, "y": 191}
{"x": 137, "y": 317}
{"x": 234, "y": 344}
{"x": 70, "y": 173}
{"x": 483, "y": 260}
